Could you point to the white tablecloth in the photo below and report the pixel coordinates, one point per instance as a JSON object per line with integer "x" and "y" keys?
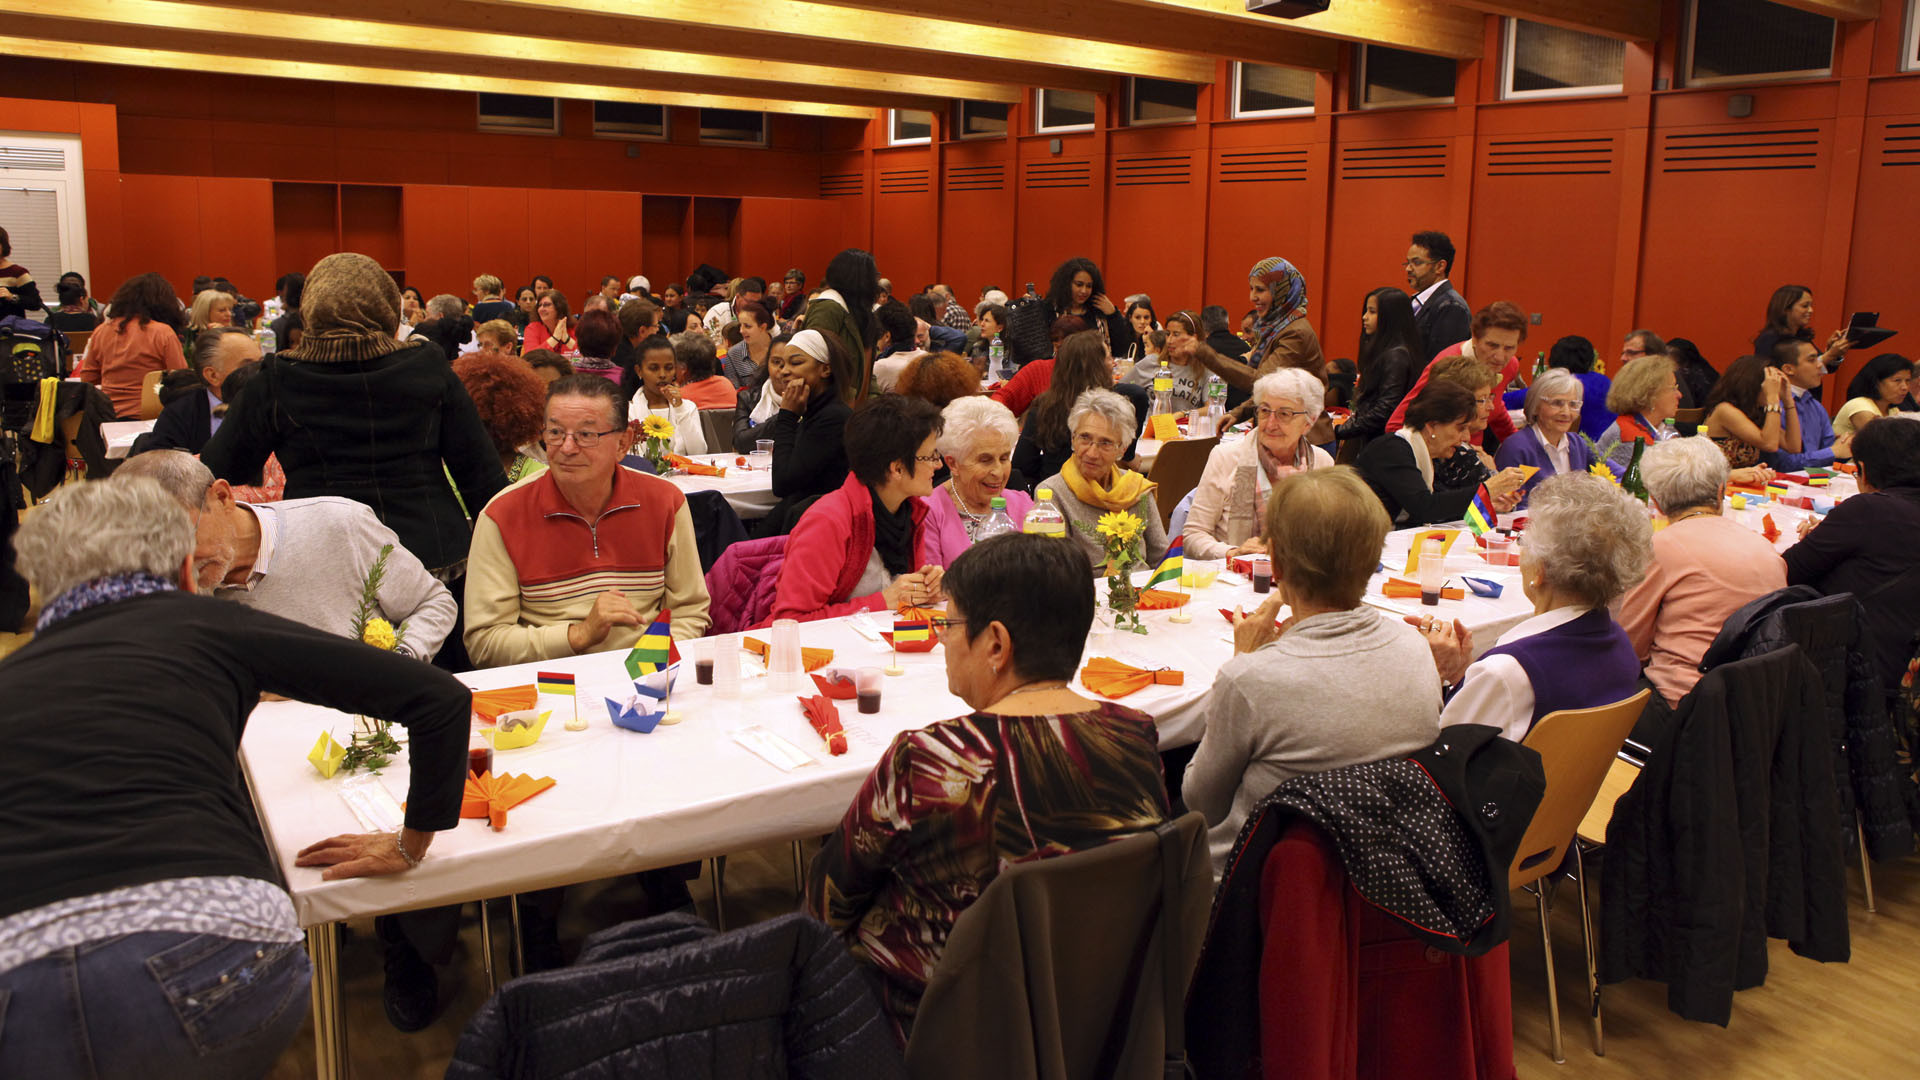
{"x": 748, "y": 490}
{"x": 119, "y": 435}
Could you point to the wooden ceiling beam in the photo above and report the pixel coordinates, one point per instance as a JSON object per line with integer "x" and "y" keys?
{"x": 1628, "y": 20}
{"x": 1419, "y": 25}
{"x": 1843, "y": 10}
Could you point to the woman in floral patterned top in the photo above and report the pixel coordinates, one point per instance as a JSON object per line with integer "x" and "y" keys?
{"x": 1034, "y": 771}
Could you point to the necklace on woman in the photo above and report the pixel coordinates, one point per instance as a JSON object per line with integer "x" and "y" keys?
{"x": 1030, "y": 688}
{"x": 971, "y": 520}
{"x": 1697, "y": 511}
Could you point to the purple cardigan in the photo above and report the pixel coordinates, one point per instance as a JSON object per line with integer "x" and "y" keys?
{"x": 1525, "y": 449}
{"x": 946, "y": 530}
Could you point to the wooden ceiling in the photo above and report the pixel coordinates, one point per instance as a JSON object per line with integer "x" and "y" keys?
{"x": 839, "y": 58}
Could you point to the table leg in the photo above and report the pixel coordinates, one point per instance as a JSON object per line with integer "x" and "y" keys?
{"x": 486, "y": 946}
{"x": 519, "y": 949}
{"x": 329, "y": 1019}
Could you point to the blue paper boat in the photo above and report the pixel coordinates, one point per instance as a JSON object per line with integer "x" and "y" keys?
{"x": 644, "y": 708}
{"x": 1483, "y": 587}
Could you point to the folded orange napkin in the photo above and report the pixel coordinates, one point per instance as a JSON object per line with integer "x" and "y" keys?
{"x": 1112, "y": 679}
{"x": 1159, "y": 599}
{"x": 1397, "y": 588}
{"x": 693, "y": 468}
{"x": 489, "y": 796}
{"x": 1768, "y": 529}
{"x": 835, "y": 684}
{"x": 489, "y": 704}
{"x": 1228, "y": 615}
{"x": 825, "y": 718}
{"x": 810, "y": 659}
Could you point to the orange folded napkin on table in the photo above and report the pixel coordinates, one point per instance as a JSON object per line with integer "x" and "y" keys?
{"x": 825, "y": 718}
{"x": 693, "y": 468}
{"x": 1397, "y": 588}
{"x": 835, "y": 684}
{"x": 489, "y": 796}
{"x": 489, "y": 704}
{"x": 1768, "y": 529}
{"x": 810, "y": 659}
{"x": 1112, "y": 679}
{"x": 1160, "y": 599}
{"x": 1228, "y": 615}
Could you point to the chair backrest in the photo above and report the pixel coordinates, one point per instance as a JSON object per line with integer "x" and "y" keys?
{"x": 150, "y": 395}
{"x": 741, "y": 583}
{"x": 1177, "y": 470}
{"x": 1073, "y": 966}
{"x": 1690, "y": 416}
{"x": 77, "y": 341}
{"x": 1576, "y": 748}
{"x": 716, "y": 427}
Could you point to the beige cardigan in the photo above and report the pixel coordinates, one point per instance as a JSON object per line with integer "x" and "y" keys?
{"x": 1222, "y": 514}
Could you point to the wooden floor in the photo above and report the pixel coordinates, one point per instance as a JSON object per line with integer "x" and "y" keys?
{"x": 1853, "y": 1021}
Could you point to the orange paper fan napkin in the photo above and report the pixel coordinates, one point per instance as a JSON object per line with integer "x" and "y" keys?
{"x": 825, "y": 718}
{"x": 835, "y": 684}
{"x": 693, "y": 468}
{"x": 1396, "y": 588}
{"x": 1159, "y": 599}
{"x": 489, "y": 796}
{"x": 1768, "y": 529}
{"x": 1112, "y": 679}
{"x": 489, "y": 704}
{"x": 909, "y": 613}
{"x": 810, "y": 659}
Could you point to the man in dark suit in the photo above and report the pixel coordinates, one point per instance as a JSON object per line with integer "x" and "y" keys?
{"x": 1440, "y": 313}
{"x": 188, "y": 420}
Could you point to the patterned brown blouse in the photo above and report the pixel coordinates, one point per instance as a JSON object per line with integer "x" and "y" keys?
{"x": 952, "y": 803}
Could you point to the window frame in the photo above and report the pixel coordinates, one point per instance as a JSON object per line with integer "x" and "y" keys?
{"x": 1509, "y": 44}
{"x": 480, "y": 117}
{"x": 1910, "y": 56}
{"x": 1360, "y": 86}
{"x": 1233, "y": 105}
{"x": 1040, "y": 114}
{"x": 1691, "y": 34}
{"x": 666, "y": 124}
{"x": 960, "y": 119}
{"x": 705, "y": 140}
{"x": 893, "y": 128}
{"x": 1133, "y": 82}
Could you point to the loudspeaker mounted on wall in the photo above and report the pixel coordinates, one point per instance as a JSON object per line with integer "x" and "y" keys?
{"x": 1740, "y": 106}
{"x": 1053, "y": 146}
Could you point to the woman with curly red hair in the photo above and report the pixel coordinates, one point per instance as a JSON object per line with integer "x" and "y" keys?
{"x": 512, "y": 402}
{"x": 938, "y": 377}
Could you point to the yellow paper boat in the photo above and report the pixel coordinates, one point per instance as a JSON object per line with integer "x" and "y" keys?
{"x": 1198, "y": 579}
{"x": 517, "y": 729}
{"x": 326, "y": 754}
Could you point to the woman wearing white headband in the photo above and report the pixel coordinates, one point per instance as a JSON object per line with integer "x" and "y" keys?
{"x": 809, "y": 453}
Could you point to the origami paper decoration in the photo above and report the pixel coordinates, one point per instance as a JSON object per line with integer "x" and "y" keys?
{"x": 1164, "y": 427}
{"x": 1198, "y": 579}
{"x": 656, "y": 649}
{"x": 911, "y": 630}
{"x": 693, "y": 468}
{"x": 925, "y": 644}
{"x": 1398, "y": 588}
{"x": 1480, "y": 515}
{"x": 836, "y": 683}
{"x": 643, "y": 709}
{"x": 1161, "y": 599}
{"x": 489, "y": 796}
{"x": 1819, "y": 481}
{"x": 825, "y": 719}
{"x": 1794, "y": 478}
{"x": 517, "y": 729}
{"x": 1446, "y": 538}
{"x": 1228, "y": 615}
{"x": 489, "y": 704}
{"x": 326, "y": 754}
{"x": 1171, "y": 564}
{"x": 554, "y": 682}
{"x": 810, "y": 659}
{"x": 1482, "y": 587}
{"x": 909, "y": 613}
{"x": 1768, "y": 529}
{"x": 1112, "y": 679}
{"x": 1527, "y": 471}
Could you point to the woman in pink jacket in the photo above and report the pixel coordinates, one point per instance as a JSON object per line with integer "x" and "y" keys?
{"x": 976, "y": 442}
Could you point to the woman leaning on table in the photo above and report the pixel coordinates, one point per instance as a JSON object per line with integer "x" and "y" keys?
{"x": 1230, "y": 502}
{"x": 1400, "y": 468}
{"x": 142, "y": 895}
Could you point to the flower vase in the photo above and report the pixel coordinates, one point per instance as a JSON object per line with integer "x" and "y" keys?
{"x": 1123, "y": 597}
{"x": 656, "y": 452}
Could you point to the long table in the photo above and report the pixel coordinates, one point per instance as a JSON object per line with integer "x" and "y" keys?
{"x": 749, "y": 490}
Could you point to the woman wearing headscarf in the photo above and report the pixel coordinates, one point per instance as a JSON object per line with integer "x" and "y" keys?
{"x": 354, "y": 412}
{"x": 1282, "y": 335}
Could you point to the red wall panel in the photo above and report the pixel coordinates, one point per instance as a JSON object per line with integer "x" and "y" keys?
{"x": 817, "y": 236}
{"x": 712, "y": 239}
{"x": 1060, "y": 214}
{"x": 1373, "y": 215}
{"x": 613, "y": 235}
{"x": 557, "y": 242}
{"x": 306, "y": 224}
{"x": 763, "y": 234}
{"x": 167, "y": 240}
{"x": 231, "y": 241}
{"x": 433, "y": 226}
{"x": 663, "y": 222}
{"x": 977, "y": 223}
{"x": 370, "y": 222}
{"x": 498, "y": 237}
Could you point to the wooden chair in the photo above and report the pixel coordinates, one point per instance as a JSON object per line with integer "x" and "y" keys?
{"x": 1576, "y": 748}
{"x": 150, "y": 395}
{"x": 1688, "y": 421}
{"x": 716, "y": 427}
{"x": 1177, "y": 471}
{"x": 77, "y": 341}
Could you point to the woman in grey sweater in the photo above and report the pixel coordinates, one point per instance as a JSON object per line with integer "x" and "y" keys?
{"x": 1340, "y": 684}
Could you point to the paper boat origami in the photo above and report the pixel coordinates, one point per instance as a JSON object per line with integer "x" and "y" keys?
{"x": 514, "y": 730}
{"x": 643, "y": 710}
{"x": 489, "y": 704}
{"x": 835, "y": 683}
{"x": 327, "y": 754}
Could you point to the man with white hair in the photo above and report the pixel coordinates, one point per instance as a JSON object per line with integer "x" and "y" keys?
{"x": 950, "y": 311}
{"x": 302, "y": 559}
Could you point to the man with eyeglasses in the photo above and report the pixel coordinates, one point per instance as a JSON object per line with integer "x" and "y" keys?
{"x": 1440, "y": 313}
{"x": 582, "y": 557}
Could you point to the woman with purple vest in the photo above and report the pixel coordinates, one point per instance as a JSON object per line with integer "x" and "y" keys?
{"x": 1586, "y": 544}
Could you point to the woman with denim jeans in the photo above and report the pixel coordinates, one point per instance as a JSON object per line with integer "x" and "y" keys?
{"x": 145, "y": 929}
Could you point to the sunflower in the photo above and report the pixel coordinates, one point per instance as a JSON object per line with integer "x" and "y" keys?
{"x": 1599, "y": 469}
{"x": 379, "y": 634}
{"x": 1119, "y": 525}
{"x": 656, "y": 427}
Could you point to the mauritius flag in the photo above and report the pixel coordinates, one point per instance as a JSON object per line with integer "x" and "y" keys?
{"x": 1171, "y": 566}
{"x": 1480, "y": 515}
{"x": 554, "y": 682}
{"x": 915, "y": 630}
{"x": 655, "y": 649}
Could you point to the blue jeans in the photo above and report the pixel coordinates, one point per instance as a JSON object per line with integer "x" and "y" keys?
{"x": 154, "y": 1004}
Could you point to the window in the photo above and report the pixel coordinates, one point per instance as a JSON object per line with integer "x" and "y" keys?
{"x": 1160, "y": 101}
{"x": 519, "y": 114}
{"x": 980, "y": 119}
{"x": 1911, "y": 58}
{"x": 629, "y": 120}
{"x": 1551, "y": 61}
{"x": 43, "y": 206}
{"x": 1065, "y": 110}
{"x": 909, "y": 127}
{"x": 1752, "y": 40}
{"x": 1265, "y": 90}
{"x": 1391, "y": 77}
{"x": 733, "y": 127}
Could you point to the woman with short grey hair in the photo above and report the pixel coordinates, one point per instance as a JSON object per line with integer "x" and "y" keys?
{"x": 1093, "y": 482}
{"x": 1587, "y": 542}
{"x": 1229, "y": 503}
{"x": 976, "y": 445}
{"x": 1705, "y": 566}
{"x": 1551, "y": 442}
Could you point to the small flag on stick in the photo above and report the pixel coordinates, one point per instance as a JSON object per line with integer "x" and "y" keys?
{"x": 916, "y": 630}
{"x": 554, "y": 682}
{"x": 655, "y": 649}
{"x": 1480, "y": 515}
{"x": 1170, "y": 566}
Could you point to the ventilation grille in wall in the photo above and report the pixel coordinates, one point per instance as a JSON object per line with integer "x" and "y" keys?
{"x": 49, "y": 158}
{"x": 1260, "y": 166}
{"x": 991, "y": 176}
{"x": 1900, "y": 145}
{"x": 1772, "y": 150}
{"x": 1057, "y": 174}
{"x": 905, "y": 181}
{"x": 850, "y": 183}
{"x": 1157, "y": 169}
{"x": 1549, "y": 157}
{"x": 1410, "y": 161}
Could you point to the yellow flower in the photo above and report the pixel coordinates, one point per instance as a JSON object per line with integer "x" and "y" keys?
{"x": 1119, "y": 525}
{"x": 1599, "y": 469}
{"x": 379, "y": 634}
{"x": 656, "y": 427}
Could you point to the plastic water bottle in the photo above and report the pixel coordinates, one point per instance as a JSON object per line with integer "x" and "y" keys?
{"x": 1045, "y": 519}
{"x": 1162, "y": 391}
{"x": 263, "y": 336}
{"x": 998, "y": 522}
{"x": 997, "y": 360}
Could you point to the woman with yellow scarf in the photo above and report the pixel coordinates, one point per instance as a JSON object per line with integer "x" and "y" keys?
{"x": 1093, "y": 483}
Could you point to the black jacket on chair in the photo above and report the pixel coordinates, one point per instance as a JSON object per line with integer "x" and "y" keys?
{"x": 1445, "y": 319}
{"x": 1725, "y": 839}
{"x": 185, "y": 424}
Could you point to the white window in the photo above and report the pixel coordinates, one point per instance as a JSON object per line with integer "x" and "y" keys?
{"x": 44, "y": 208}
{"x": 1731, "y": 41}
{"x": 1390, "y": 77}
{"x": 519, "y": 114}
{"x": 1552, "y": 61}
{"x": 1266, "y": 90}
{"x": 630, "y": 120}
{"x": 1161, "y": 101}
{"x": 980, "y": 119}
{"x": 1910, "y": 59}
{"x": 733, "y": 127}
{"x": 909, "y": 127}
{"x": 1065, "y": 110}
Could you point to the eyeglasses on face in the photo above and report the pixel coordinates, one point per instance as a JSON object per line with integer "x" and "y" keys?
{"x": 931, "y": 459}
{"x": 1086, "y": 441}
{"x": 941, "y": 624}
{"x": 1411, "y": 263}
{"x": 1285, "y": 416}
{"x": 585, "y": 440}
